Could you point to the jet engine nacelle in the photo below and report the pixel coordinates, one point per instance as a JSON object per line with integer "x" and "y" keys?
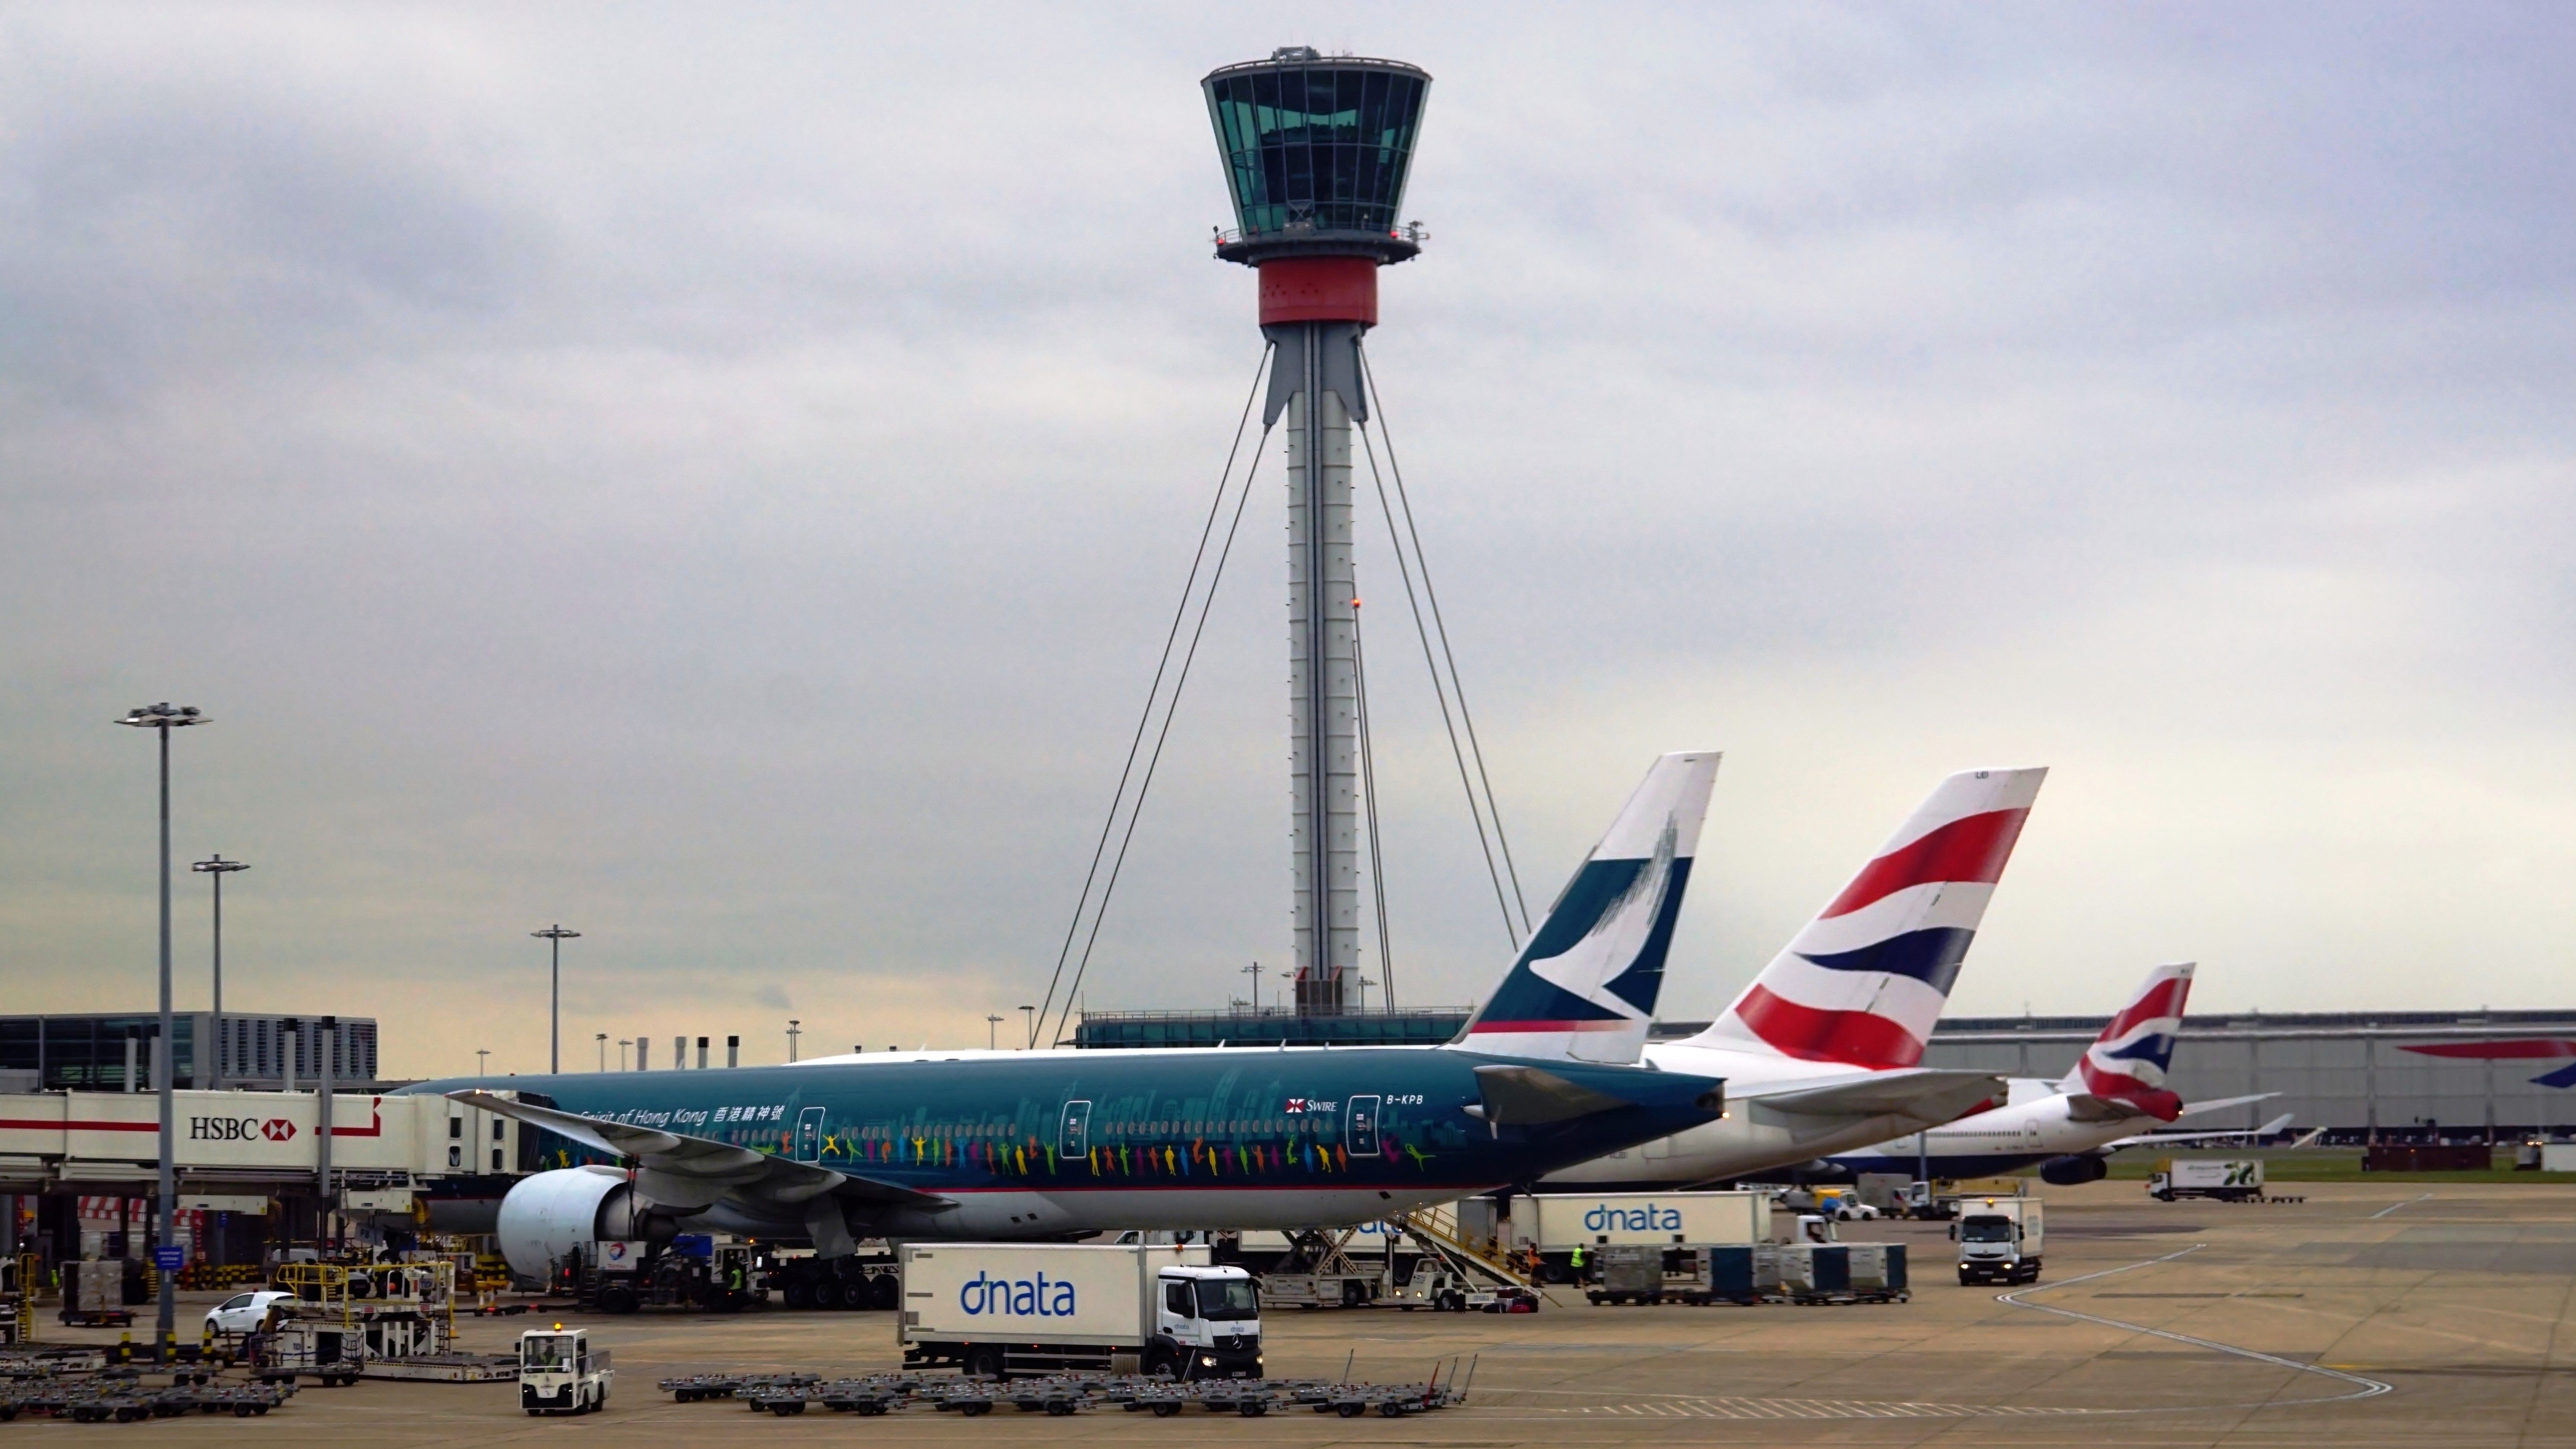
{"x": 2059, "y": 1171}
{"x": 546, "y": 1216}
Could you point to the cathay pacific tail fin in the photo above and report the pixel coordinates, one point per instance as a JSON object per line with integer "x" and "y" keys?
{"x": 1584, "y": 987}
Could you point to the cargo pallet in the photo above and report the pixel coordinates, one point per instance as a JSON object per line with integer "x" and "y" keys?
{"x": 1059, "y": 1395}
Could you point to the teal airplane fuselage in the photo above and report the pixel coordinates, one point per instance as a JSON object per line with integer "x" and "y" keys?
{"x": 1055, "y": 1143}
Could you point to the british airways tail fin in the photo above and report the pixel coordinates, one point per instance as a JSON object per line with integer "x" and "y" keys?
{"x": 2128, "y": 1061}
{"x": 1863, "y": 983}
{"x": 1584, "y": 987}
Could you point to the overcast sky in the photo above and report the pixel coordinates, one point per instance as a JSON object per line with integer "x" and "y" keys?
{"x": 716, "y": 477}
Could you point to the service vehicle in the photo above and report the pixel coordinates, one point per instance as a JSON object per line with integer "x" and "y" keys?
{"x": 1843, "y": 1205}
{"x": 244, "y": 1312}
{"x": 999, "y": 1309}
{"x": 1557, "y": 1225}
{"x": 560, "y": 1373}
{"x": 2229, "y": 1180}
{"x": 2000, "y": 1239}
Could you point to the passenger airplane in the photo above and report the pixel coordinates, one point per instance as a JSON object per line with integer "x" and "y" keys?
{"x": 2070, "y": 1126}
{"x": 1821, "y": 1053}
{"x": 1059, "y": 1144}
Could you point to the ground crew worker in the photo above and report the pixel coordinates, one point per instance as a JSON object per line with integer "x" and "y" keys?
{"x": 734, "y": 1280}
{"x": 1578, "y": 1262}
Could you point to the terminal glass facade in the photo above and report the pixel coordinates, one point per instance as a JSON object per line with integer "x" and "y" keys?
{"x": 1319, "y": 145}
{"x": 90, "y": 1053}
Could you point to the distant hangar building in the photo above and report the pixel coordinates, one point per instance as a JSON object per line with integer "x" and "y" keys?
{"x": 2392, "y": 1074}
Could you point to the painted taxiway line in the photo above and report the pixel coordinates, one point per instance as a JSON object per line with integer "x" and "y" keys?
{"x": 2364, "y": 1388}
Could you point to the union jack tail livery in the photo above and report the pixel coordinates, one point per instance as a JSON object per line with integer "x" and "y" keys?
{"x": 1584, "y": 987}
{"x": 2128, "y": 1061}
{"x": 1863, "y": 983}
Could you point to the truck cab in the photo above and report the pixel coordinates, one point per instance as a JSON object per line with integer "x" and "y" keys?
{"x": 560, "y": 1373}
{"x": 1999, "y": 1240}
{"x": 1207, "y": 1324}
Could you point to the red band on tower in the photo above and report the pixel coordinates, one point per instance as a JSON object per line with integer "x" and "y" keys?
{"x": 1319, "y": 289}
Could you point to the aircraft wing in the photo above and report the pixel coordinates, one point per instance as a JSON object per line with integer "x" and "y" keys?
{"x": 681, "y": 1171}
{"x": 1929, "y": 1095}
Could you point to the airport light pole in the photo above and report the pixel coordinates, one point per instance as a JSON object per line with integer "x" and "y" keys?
{"x": 623, "y": 1043}
{"x": 554, "y": 937}
{"x": 795, "y": 1025}
{"x": 1029, "y": 1014}
{"x": 993, "y": 1032}
{"x": 1254, "y": 971}
{"x": 215, "y": 869}
{"x": 165, "y": 718}
{"x": 480, "y": 1054}
{"x": 602, "y": 1039}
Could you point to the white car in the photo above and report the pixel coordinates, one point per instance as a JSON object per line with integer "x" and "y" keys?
{"x": 243, "y": 1311}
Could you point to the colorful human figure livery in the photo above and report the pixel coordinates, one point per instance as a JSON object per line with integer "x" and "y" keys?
{"x": 985, "y": 1145}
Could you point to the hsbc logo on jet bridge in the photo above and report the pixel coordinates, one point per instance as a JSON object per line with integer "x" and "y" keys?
{"x": 240, "y": 1129}
{"x": 1644, "y": 1218}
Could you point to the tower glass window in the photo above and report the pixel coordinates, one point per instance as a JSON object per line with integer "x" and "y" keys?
{"x": 1312, "y": 144}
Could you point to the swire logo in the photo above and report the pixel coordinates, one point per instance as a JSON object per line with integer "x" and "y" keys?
{"x": 1037, "y": 1297}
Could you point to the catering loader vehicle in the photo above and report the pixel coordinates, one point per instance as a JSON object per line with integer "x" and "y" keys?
{"x": 999, "y": 1309}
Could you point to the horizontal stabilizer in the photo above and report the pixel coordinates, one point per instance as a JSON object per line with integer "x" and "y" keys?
{"x": 2224, "y": 1102}
{"x": 2085, "y": 1107}
{"x": 1929, "y": 1095}
{"x": 1536, "y": 1097}
{"x": 677, "y": 1170}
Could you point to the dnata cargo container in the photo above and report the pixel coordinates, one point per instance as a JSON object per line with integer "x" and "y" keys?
{"x": 1560, "y": 1222}
{"x": 998, "y": 1309}
{"x": 2229, "y": 1179}
{"x": 2000, "y": 1239}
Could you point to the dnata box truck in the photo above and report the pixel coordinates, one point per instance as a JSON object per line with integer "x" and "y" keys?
{"x": 1999, "y": 1239}
{"x": 2236, "y": 1180}
{"x": 998, "y": 1309}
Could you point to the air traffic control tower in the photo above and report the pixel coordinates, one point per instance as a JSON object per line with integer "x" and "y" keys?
{"x": 1316, "y": 150}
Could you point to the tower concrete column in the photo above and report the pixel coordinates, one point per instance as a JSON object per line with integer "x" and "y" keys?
{"x": 1323, "y": 675}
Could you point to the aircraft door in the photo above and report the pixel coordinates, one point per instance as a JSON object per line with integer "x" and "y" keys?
{"x": 1359, "y": 1126}
{"x": 1074, "y": 1139}
{"x": 809, "y": 1135}
{"x": 2030, "y": 1132}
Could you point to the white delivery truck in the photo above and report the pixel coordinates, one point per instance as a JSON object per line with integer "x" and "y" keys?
{"x": 998, "y": 1309}
{"x": 2229, "y": 1180}
{"x": 1564, "y": 1228}
{"x": 2000, "y": 1239}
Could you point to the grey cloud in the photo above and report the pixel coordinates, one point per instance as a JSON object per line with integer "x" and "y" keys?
{"x": 721, "y": 484}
